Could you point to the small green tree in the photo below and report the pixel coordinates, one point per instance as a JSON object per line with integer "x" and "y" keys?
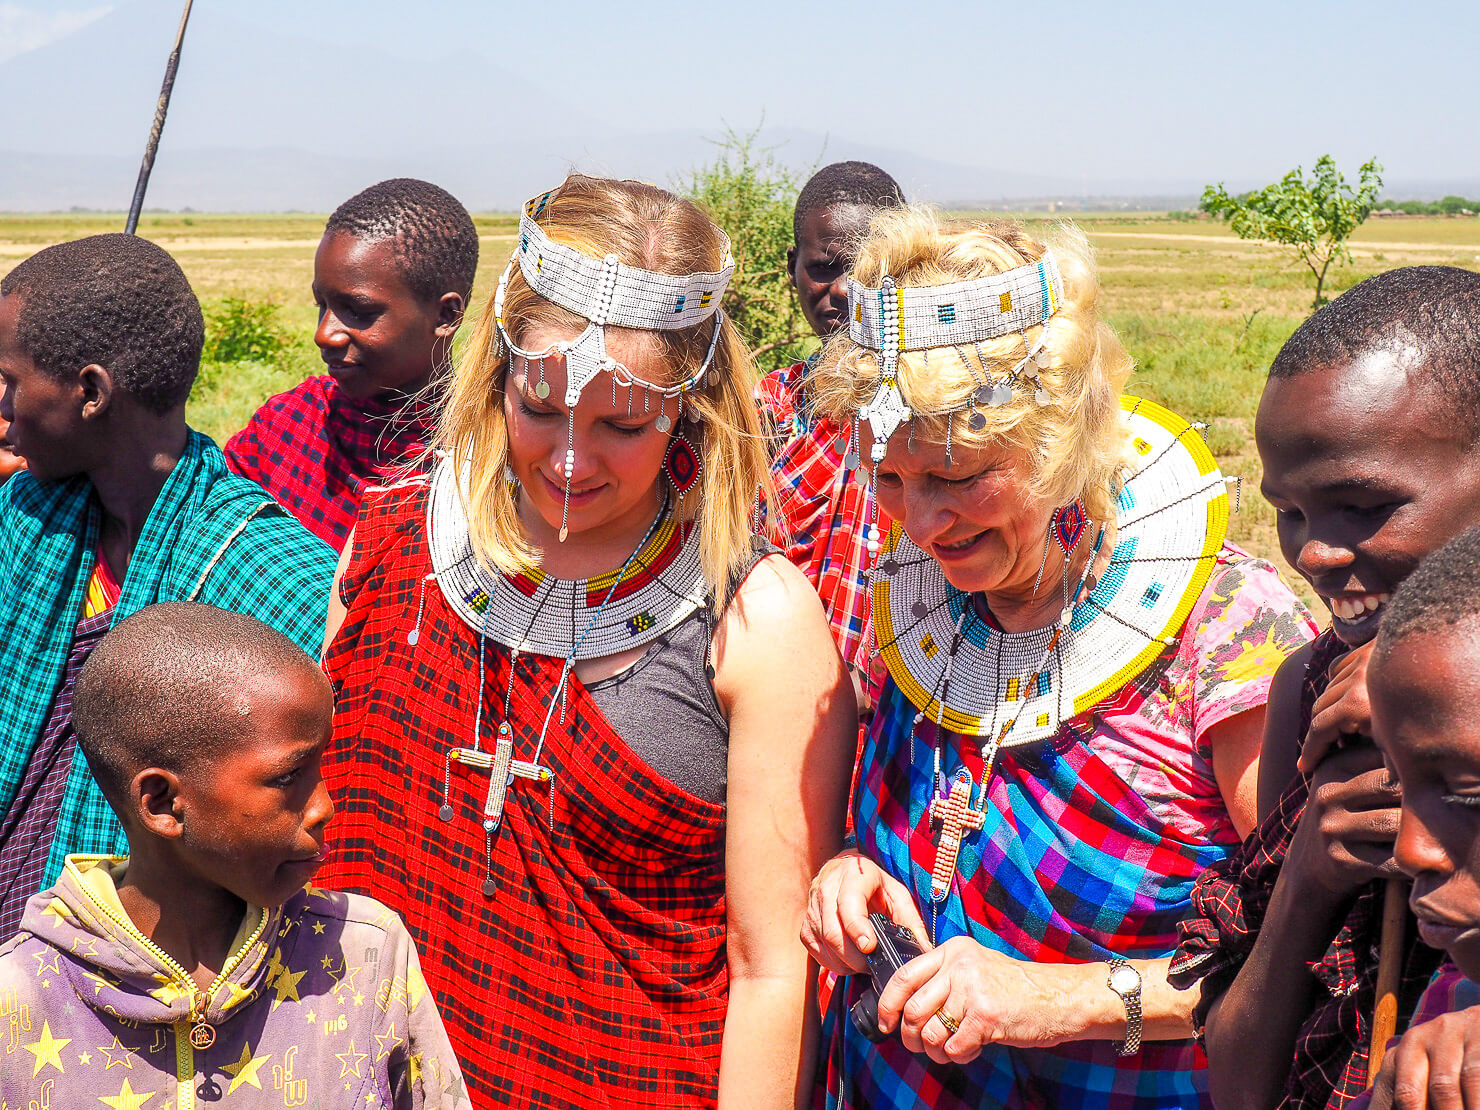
{"x": 751, "y": 195}
{"x": 1314, "y": 218}
{"x": 239, "y": 330}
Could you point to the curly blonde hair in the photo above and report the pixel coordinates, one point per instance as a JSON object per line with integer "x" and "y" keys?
{"x": 647, "y": 227}
{"x": 1077, "y": 442}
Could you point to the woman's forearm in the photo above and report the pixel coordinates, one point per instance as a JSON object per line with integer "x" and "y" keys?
{"x": 770, "y": 1044}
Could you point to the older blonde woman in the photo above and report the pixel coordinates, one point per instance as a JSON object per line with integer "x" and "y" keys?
{"x": 1078, "y": 663}
{"x": 590, "y": 741}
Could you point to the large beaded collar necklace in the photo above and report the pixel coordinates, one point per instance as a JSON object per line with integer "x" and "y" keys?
{"x": 969, "y": 677}
{"x": 607, "y": 291}
{"x": 533, "y": 612}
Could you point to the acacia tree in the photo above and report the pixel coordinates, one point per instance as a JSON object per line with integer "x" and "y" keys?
{"x": 1314, "y": 218}
{"x": 751, "y": 195}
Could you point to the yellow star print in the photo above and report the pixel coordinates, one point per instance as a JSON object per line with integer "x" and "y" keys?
{"x": 125, "y": 1054}
{"x": 169, "y": 992}
{"x": 128, "y": 1098}
{"x": 238, "y": 995}
{"x": 318, "y": 928}
{"x": 58, "y": 909}
{"x": 286, "y": 985}
{"x": 245, "y": 1069}
{"x": 386, "y": 1041}
{"x": 48, "y": 1050}
{"x": 349, "y": 1062}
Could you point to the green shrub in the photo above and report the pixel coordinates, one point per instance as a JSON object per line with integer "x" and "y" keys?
{"x": 239, "y": 330}
{"x": 752, "y": 196}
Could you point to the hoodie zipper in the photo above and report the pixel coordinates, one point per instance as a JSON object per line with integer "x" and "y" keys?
{"x": 184, "y": 1047}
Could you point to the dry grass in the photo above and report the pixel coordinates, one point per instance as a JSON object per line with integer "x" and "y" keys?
{"x": 1202, "y": 311}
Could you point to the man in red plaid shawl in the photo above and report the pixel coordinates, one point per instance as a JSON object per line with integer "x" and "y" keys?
{"x": 821, "y": 506}
{"x": 392, "y": 276}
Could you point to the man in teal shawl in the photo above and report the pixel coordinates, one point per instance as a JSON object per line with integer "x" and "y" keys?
{"x": 123, "y": 505}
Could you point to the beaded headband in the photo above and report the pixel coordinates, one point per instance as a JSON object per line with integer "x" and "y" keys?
{"x": 890, "y": 319}
{"x": 607, "y": 291}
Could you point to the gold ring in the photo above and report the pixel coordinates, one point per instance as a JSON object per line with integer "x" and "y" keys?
{"x": 951, "y": 1024}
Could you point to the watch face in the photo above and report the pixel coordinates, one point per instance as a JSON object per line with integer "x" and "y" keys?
{"x": 1124, "y": 980}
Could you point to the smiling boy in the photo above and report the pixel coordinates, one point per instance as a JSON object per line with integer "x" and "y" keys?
{"x": 821, "y": 507}
{"x": 123, "y": 505}
{"x": 201, "y": 963}
{"x": 1367, "y": 431}
{"x": 392, "y": 277}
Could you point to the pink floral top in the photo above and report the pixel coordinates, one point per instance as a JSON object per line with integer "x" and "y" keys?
{"x": 1244, "y": 625}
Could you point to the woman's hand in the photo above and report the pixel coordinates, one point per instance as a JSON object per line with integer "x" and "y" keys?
{"x": 993, "y": 998}
{"x": 849, "y": 887}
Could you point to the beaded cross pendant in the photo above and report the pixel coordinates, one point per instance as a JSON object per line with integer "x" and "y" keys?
{"x": 956, "y": 816}
{"x": 502, "y": 770}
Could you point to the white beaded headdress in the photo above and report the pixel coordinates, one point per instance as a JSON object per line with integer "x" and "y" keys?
{"x": 607, "y": 291}
{"x": 889, "y": 320}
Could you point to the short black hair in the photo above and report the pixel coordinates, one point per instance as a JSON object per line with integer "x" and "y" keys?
{"x": 157, "y": 690}
{"x": 1442, "y": 591}
{"x": 860, "y": 183}
{"x": 1434, "y": 310}
{"x": 115, "y": 300}
{"x": 436, "y": 242}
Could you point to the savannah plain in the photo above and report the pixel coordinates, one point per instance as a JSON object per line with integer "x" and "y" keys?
{"x": 1201, "y": 311}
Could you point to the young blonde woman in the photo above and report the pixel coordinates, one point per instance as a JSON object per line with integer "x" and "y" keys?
{"x": 591, "y": 742}
{"x": 1078, "y": 664}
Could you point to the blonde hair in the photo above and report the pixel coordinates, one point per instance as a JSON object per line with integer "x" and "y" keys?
{"x": 1077, "y": 442}
{"x": 647, "y": 227}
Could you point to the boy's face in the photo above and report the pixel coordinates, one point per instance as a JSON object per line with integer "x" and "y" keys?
{"x": 44, "y": 415}
{"x": 254, "y": 817}
{"x": 375, "y": 334}
{"x": 820, "y": 261}
{"x": 1368, "y": 474}
{"x": 1422, "y": 690}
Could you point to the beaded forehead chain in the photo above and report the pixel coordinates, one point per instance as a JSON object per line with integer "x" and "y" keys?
{"x": 889, "y": 319}
{"x": 607, "y": 291}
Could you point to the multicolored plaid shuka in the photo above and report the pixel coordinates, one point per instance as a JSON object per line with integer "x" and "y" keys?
{"x": 820, "y": 510}
{"x": 596, "y": 974}
{"x": 1229, "y": 901}
{"x": 211, "y": 537}
{"x": 1071, "y": 867}
{"x": 315, "y": 450}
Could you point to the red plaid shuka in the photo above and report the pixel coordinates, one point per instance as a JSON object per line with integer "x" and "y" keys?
{"x": 1229, "y": 901}
{"x": 595, "y": 975}
{"x": 315, "y": 450}
{"x": 821, "y": 510}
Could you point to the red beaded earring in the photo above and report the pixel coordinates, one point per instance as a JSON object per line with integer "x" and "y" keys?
{"x": 682, "y": 465}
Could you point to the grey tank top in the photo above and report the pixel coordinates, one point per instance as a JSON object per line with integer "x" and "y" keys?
{"x": 665, "y": 709}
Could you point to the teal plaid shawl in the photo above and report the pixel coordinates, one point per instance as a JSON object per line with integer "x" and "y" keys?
{"x": 211, "y": 537}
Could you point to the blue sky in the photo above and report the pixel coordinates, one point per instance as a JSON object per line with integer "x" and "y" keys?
{"x": 1161, "y": 90}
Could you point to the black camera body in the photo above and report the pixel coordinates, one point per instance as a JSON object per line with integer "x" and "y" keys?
{"x": 897, "y": 946}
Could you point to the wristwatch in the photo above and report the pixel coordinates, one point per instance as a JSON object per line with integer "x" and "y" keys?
{"x": 1126, "y": 982}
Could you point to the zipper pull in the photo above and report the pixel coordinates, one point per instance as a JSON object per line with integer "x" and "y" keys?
{"x": 202, "y": 1032}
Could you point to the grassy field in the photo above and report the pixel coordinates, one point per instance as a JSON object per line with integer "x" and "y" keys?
{"x": 1202, "y": 311}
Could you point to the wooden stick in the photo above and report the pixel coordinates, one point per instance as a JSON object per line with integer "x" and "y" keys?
{"x": 160, "y": 108}
{"x": 1389, "y": 973}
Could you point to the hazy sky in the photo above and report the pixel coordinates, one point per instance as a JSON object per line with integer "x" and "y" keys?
{"x": 1163, "y": 90}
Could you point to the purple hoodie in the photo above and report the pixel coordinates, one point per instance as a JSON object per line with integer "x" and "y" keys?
{"x": 321, "y": 1004}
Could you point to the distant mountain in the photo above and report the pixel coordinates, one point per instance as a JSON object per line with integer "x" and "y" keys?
{"x": 268, "y": 121}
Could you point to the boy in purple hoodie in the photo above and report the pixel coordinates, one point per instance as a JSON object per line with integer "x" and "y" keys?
{"x": 204, "y": 967}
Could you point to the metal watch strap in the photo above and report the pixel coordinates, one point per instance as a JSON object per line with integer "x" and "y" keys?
{"x": 1132, "y": 999}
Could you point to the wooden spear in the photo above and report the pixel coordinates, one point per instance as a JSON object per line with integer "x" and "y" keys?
{"x": 157, "y": 129}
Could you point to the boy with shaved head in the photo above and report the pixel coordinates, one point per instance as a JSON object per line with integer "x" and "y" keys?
{"x": 202, "y": 965}
{"x": 822, "y": 505}
{"x": 391, "y": 279}
{"x": 122, "y": 506}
